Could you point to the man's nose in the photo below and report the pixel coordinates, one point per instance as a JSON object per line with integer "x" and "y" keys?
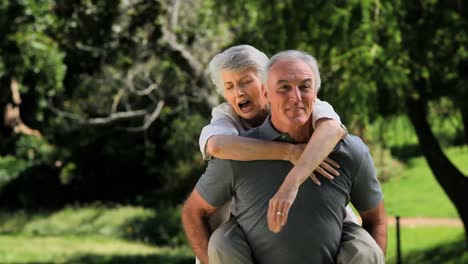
{"x": 295, "y": 94}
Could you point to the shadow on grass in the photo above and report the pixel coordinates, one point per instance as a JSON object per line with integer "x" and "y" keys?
{"x": 403, "y": 153}
{"x": 123, "y": 259}
{"x": 454, "y": 253}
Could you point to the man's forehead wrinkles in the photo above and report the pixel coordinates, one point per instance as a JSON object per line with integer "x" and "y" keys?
{"x": 303, "y": 79}
{"x": 282, "y": 81}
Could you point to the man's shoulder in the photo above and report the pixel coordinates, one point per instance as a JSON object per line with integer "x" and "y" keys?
{"x": 216, "y": 163}
{"x": 353, "y": 146}
{"x": 355, "y": 142}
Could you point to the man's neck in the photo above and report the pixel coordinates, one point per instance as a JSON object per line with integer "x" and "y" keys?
{"x": 300, "y": 134}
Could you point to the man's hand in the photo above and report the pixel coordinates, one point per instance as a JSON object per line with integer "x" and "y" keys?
{"x": 279, "y": 206}
{"x": 195, "y": 213}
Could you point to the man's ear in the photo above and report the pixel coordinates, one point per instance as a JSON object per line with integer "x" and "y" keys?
{"x": 265, "y": 91}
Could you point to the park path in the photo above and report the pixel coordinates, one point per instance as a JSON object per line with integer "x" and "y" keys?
{"x": 425, "y": 221}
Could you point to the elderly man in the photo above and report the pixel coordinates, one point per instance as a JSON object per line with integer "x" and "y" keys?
{"x": 312, "y": 233}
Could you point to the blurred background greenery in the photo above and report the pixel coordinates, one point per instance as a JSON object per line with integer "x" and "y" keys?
{"x": 103, "y": 101}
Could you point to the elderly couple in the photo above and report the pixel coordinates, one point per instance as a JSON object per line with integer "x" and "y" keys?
{"x": 282, "y": 170}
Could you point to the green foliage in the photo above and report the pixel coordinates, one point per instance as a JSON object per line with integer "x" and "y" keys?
{"x": 397, "y": 133}
{"x": 87, "y": 59}
{"x": 10, "y": 168}
{"x": 446, "y": 121}
{"x": 87, "y": 221}
{"x": 36, "y": 61}
{"x": 387, "y": 167}
{"x": 31, "y": 151}
{"x": 67, "y": 174}
{"x": 391, "y": 132}
{"x": 160, "y": 227}
{"x": 41, "y": 55}
{"x": 185, "y": 160}
{"x": 34, "y": 149}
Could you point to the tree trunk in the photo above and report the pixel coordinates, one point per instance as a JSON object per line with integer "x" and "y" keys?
{"x": 452, "y": 180}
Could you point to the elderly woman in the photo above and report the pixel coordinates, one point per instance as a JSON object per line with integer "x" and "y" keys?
{"x": 236, "y": 74}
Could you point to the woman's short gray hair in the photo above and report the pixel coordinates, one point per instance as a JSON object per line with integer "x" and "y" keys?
{"x": 293, "y": 55}
{"x": 236, "y": 58}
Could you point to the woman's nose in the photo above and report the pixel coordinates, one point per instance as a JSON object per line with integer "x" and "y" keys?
{"x": 239, "y": 90}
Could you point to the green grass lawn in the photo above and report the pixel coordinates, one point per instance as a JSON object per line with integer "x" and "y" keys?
{"x": 417, "y": 241}
{"x": 85, "y": 249}
{"x": 419, "y": 245}
{"x": 416, "y": 192}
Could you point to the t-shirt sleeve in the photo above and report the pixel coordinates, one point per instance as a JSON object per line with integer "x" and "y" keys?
{"x": 221, "y": 124}
{"x": 215, "y": 185}
{"x": 322, "y": 109}
{"x": 366, "y": 192}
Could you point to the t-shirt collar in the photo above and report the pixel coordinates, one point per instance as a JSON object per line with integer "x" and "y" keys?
{"x": 268, "y": 132}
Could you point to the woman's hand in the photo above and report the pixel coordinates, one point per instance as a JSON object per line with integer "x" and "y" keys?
{"x": 328, "y": 169}
{"x": 281, "y": 202}
{"x": 279, "y": 205}
{"x": 295, "y": 152}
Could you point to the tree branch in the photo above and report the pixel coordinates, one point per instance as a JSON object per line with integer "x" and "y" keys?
{"x": 149, "y": 120}
{"x": 12, "y": 117}
{"x": 116, "y": 117}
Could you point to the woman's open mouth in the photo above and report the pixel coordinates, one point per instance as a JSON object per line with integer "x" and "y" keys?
{"x": 244, "y": 105}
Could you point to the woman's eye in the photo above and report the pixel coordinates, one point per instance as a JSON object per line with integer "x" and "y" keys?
{"x": 245, "y": 82}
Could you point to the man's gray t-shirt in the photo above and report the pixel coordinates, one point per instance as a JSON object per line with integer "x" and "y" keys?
{"x": 313, "y": 231}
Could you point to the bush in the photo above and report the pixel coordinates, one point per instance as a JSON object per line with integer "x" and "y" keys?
{"x": 387, "y": 167}
{"x": 161, "y": 226}
{"x": 10, "y": 168}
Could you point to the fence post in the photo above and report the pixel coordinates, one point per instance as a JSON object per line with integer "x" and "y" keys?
{"x": 398, "y": 241}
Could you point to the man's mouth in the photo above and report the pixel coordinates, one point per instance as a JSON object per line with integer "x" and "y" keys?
{"x": 295, "y": 109}
{"x": 244, "y": 104}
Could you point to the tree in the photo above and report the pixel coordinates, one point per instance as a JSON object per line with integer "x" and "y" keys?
{"x": 434, "y": 38}
{"x": 94, "y": 76}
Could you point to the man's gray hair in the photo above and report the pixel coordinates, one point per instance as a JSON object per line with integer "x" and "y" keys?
{"x": 293, "y": 55}
{"x": 236, "y": 58}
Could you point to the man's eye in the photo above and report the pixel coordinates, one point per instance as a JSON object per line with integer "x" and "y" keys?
{"x": 305, "y": 87}
{"x": 227, "y": 88}
{"x": 284, "y": 87}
